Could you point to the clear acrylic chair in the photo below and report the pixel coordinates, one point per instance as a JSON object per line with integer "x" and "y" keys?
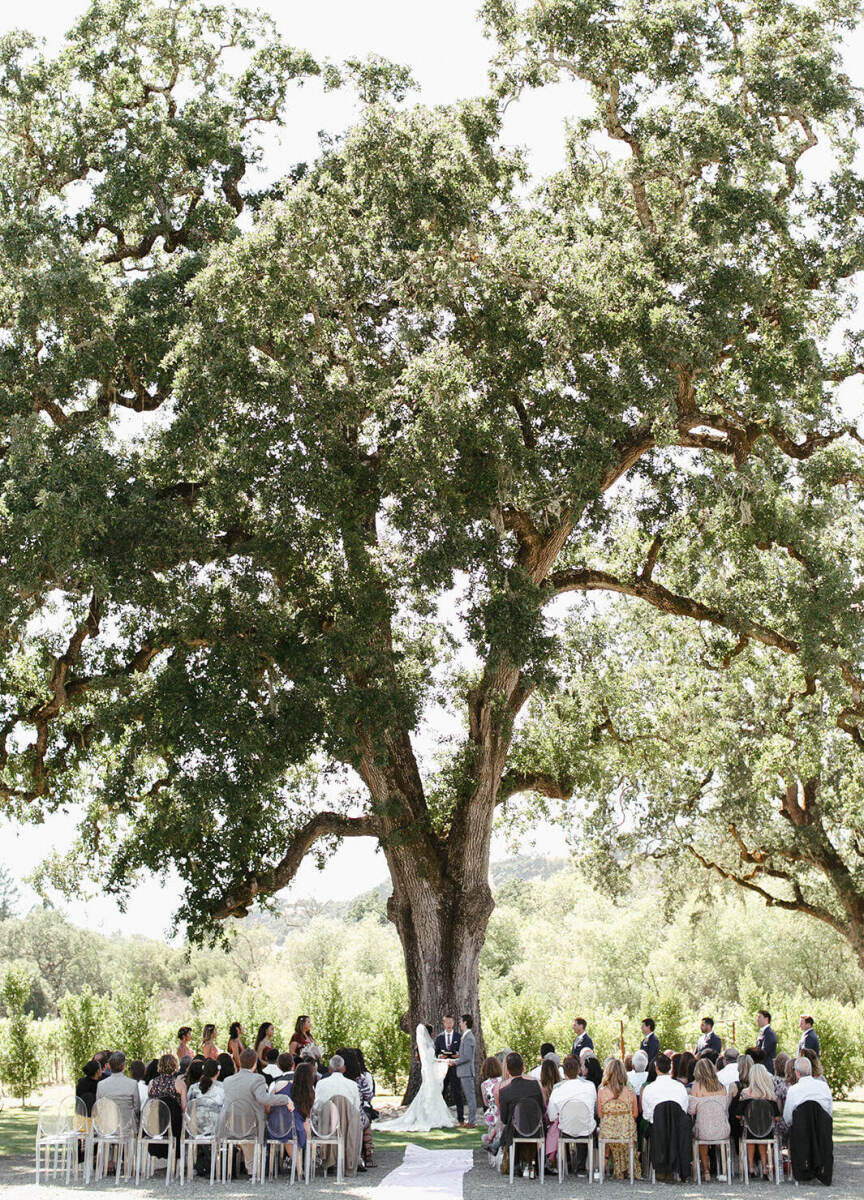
{"x": 324, "y": 1131}
{"x": 239, "y": 1127}
{"x": 200, "y": 1128}
{"x": 114, "y": 1128}
{"x": 281, "y": 1131}
{"x": 154, "y": 1130}
{"x": 528, "y": 1130}
{"x": 760, "y": 1130}
{"x": 57, "y": 1138}
{"x": 577, "y": 1120}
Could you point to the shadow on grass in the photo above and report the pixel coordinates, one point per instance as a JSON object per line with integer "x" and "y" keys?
{"x": 436, "y": 1139}
{"x": 17, "y": 1129}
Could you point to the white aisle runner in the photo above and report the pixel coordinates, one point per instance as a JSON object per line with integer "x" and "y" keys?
{"x": 436, "y": 1174}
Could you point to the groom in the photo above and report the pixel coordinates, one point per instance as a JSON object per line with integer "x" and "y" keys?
{"x": 447, "y": 1046}
{"x": 465, "y": 1068}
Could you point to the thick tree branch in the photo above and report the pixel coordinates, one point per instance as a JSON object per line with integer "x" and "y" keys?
{"x": 513, "y": 782}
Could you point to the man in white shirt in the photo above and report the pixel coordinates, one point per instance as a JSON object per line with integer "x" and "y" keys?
{"x": 572, "y": 1087}
{"x": 547, "y": 1050}
{"x": 807, "y": 1088}
{"x": 337, "y": 1084}
{"x": 636, "y": 1078}
{"x": 728, "y": 1074}
{"x": 663, "y": 1088}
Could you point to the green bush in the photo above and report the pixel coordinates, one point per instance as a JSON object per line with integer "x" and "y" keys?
{"x": 19, "y": 1058}
{"x": 672, "y": 1020}
{"x": 82, "y": 1029}
{"x": 131, "y": 1022}
{"x": 386, "y": 1047}
{"x": 336, "y": 1021}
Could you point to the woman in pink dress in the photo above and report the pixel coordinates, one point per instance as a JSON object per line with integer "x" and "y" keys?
{"x": 209, "y": 1049}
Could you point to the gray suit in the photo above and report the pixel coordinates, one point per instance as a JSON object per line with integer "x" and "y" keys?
{"x": 122, "y": 1090}
{"x": 465, "y": 1073}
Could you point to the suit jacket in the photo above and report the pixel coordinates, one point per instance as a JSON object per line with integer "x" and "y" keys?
{"x": 708, "y": 1041}
{"x": 811, "y": 1143}
{"x": 121, "y": 1089}
{"x": 509, "y": 1096}
{"x": 651, "y": 1046}
{"x": 583, "y": 1042}
{"x": 441, "y": 1043}
{"x": 767, "y": 1041}
{"x": 465, "y": 1062}
{"x": 809, "y": 1041}
{"x": 671, "y": 1140}
{"x": 251, "y": 1087}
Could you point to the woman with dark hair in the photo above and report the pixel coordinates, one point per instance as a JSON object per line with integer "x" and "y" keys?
{"x": 152, "y": 1071}
{"x": 369, "y": 1079}
{"x": 235, "y": 1042}
{"x": 302, "y": 1035}
{"x": 263, "y": 1043}
{"x": 190, "y": 1077}
{"x": 209, "y": 1049}
{"x": 301, "y": 1089}
{"x": 352, "y": 1071}
{"x": 226, "y": 1066}
{"x": 686, "y": 1067}
{"x": 184, "y": 1037}
{"x": 592, "y": 1070}
{"x": 491, "y": 1078}
{"x": 208, "y": 1097}
{"x": 549, "y": 1076}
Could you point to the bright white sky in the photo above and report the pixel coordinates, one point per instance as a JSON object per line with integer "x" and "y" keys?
{"x": 444, "y": 46}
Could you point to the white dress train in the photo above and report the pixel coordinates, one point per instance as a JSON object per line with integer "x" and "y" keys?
{"x": 428, "y": 1109}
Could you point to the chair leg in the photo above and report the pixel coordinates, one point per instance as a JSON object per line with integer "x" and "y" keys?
{"x": 632, "y": 1164}
{"x": 591, "y": 1160}
{"x": 745, "y": 1166}
{"x": 512, "y": 1159}
{"x": 601, "y": 1154}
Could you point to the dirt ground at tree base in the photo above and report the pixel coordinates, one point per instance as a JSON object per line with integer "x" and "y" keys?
{"x": 481, "y": 1183}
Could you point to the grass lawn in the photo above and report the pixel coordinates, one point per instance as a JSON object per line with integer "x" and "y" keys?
{"x": 17, "y": 1129}
{"x": 436, "y": 1139}
{"x": 849, "y": 1121}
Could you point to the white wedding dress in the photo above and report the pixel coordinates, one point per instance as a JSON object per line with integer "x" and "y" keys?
{"x": 428, "y": 1109}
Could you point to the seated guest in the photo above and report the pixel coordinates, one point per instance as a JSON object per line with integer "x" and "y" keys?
{"x": 184, "y": 1037}
{"x": 780, "y": 1063}
{"x": 249, "y": 1087}
{"x": 582, "y": 1039}
{"x": 301, "y": 1088}
{"x": 337, "y": 1084}
{"x": 285, "y": 1069}
{"x": 164, "y": 1086}
{"x": 226, "y": 1066}
{"x": 118, "y": 1086}
{"x": 759, "y": 1090}
{"x": 591, "y": 1068}
{"x": 209, "y": 1049}
{"x": 650, "y": 1041}
{"x": 491, "y": 1076}
{"x": 708, "y": 1039}
{"x": 235, "y": 1042}
{"x": 809, "y": 1039}
{"x": 366, "y": 1080}
{"x": 727, "y": 1067}
{"x": 806, "y": 1087}
{"x": 86, "y": 1086}
{"x": 550, "y": 1075}
{"x": 102, "y": 1057}
{"x": 756, "y": 1054}
{"x": 815, "y": 1064}
{"x": 351, "y": 1058}
{"x": 518, "y": 1089}
{"x": 663, "y": 1088}
{"x": 137, "y": 1071}
{"x": 547, "y": 1050}
{"x": 618, "y": 1109}
{"x": 574, "y": 1086}
{"x": 637, "y": 1077}
{"x": 264, "y": 1043}
{"x": 208, "y": 1096}
{"x": 192, "y": 1075}
{"x": 709, "y": 1107}
{"x": 686, "y": 1068}
{"x": 272, "y": 1070}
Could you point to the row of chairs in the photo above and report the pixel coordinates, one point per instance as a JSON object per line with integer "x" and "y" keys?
{"x": 70, "y": 1139}
{"x": 575, "y": 1128}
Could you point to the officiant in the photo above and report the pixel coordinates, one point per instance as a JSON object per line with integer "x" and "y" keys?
{"x": 447, "y": 1046}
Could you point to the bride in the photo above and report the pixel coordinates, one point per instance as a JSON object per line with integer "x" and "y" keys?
{"x": 428, "y": 1109}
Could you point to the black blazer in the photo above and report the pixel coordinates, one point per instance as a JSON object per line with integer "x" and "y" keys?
{"x": 651, "y": 1046}
{"x": 811, "y": 1143}
{"x": 767, "y": 1041}
{"x": 441, "y": 1043}
{"x": 671, "y": 1140}
{"x": 583, "y": 1042}
{"x": 712, "y": 1042}
{"x": 810, "y": 1041}
{"x": 510, "y": 1095}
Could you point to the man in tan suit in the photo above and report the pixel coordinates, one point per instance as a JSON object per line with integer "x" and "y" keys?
{"x": 119, "y": 1087}
{"x": 249, "y": 1087}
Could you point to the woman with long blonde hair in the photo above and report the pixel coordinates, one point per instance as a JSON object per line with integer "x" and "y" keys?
{"x": 759, "y": 1091}
{"x": 709, "y": 1107}
{"x": 617, "y": 1108}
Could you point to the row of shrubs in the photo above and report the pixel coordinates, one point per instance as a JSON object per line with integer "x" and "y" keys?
{"x": 37, "y": 1052}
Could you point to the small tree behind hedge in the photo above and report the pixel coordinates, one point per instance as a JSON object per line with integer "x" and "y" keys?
{"x": 131, "y": 1022}
{"x": 19, "y": 1059}
{"x": 82, "y": 1029}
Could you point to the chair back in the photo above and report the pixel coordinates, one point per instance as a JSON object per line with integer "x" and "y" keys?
{"x": 156, "y": 1119}
{"x": 280, "y": 1124}
{"x": 324, "y": 1120}
{"x": 240, "y": 1122}
{"x": 81, "y": 1122}
{"x": 759, "y": 1118}
{"x": 528, "y": 1119}
{"x": 575, "y": 1119}
{"x": 111, "y": 1119}
{"x": 51, "y": 1120}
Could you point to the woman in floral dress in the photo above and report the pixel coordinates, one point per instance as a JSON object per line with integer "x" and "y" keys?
{"x": 617, "y": 1108}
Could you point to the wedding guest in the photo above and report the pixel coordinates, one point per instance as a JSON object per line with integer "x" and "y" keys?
{"x": 663, "y": 1088}
{"x": 781, "y": 1090}
{"x": 686, "y": 1068}
{"x": 727, "y": 1071}
{"x": 591, "y": 1069}
{"x": 709, "y": 1107}
{"x": 353, "y": 1072}
{"x": 209, "y": 1049}
{"x": 272, "y": 1070}
{"x": 815, "y": 1062}
{"x": 86, "y": 1086}
{"x": 164, "y": 1086}
{"x": 650, "y": 1041}
{"x": 184, "y": 1039}
{"x": 226, "y": 1066}
{"x": 137, "y": 1071}
{"x": 491, "y": 1076}
{"x": 767, "y": 1039}
{"x": 302, "y": 1035}
{"x": 118, "y": 1086}
{"x": 192, "y": 1074}
{"x": 582, "y": 1038}
{"x": 248, "y": 1086}
{"x": 300, "y": 1088}
{"x": 708, "y": 1039}
{"x": 618, "y": 1109}
{"x": 208, "y": 1096}
{"x": 574, "y": 1086}
{"x": 235, "y": 1043}
{"x": 809, "y": 1039}
{"x": 519, "y": 1088}
{"x": 760, "y": 1087}
{"x": 366, "y": 1081}
{"x": 780, "y": 1063}
{"x": 550, "y": 1075}
{"x": 637, "y": 1077}
{"x": 806, "y": 1087}
{"x": 263, "y": 1043}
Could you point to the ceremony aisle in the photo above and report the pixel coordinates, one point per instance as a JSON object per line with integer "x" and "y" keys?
{"x": 432, "y": 1174}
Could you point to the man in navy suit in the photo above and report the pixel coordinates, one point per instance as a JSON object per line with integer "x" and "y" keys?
{"x": 650, "y": 1041}
{"x": 447, "y": 1046}
{"x": 709, "y": 1039}
{"x": 809, "y": 1037}
{"x": 583, "y": 1040}
{"x": 767, "y": 1038}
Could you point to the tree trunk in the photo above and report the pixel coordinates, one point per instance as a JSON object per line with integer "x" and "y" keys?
{"x": 442, "y": 927}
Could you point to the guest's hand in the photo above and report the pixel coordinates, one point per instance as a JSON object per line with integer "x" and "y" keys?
{"x": 290, "y": 1105}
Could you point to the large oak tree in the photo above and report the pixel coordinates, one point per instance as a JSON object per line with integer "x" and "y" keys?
{"x": 398, "y": 407}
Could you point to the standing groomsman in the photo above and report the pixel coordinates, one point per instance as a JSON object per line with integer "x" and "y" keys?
{"x": 809, "y": 1039}
{"x": 650, "y": 1041}
{"x": 767, "y": 1038}
{"x": 709, "y": 1039}
{"x": 583, "y": 1040}
{"x": 447, "y": 1046}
